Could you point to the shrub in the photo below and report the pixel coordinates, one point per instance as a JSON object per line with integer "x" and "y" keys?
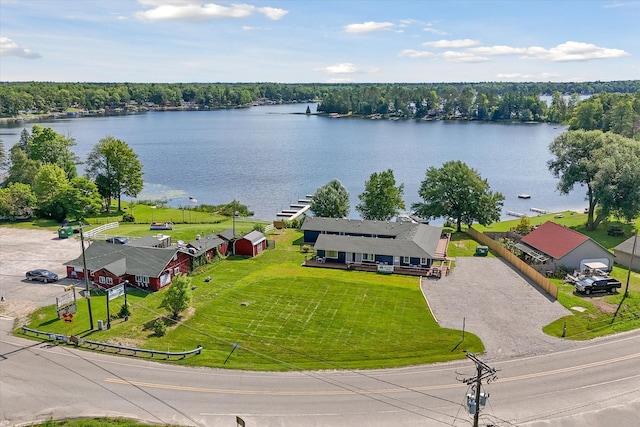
{"x": 159, "y": 328}
{"x": 124, "y": 311}
{"x": 258, "y": 227}
{"x": 128, "y": 218}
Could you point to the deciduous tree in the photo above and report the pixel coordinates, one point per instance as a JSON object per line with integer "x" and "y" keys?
{"x": 17, "y": 199}
{"x": 381, "y": 199}
{"x": 607, "y": 164}
{"x": 331, "y": 200}
{"x": 177, "y": 298}
{"x": 456, "y": 191}
{"x": 116, "y": 170}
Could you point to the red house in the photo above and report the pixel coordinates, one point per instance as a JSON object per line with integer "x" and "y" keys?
{"x": 250, "y": 244}
{"x": 109, "y": 264}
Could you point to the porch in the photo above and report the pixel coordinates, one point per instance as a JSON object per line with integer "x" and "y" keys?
{"x": 436, "y": 271}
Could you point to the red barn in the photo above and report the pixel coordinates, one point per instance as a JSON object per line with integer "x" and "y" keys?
{"x": 250, "y": 244}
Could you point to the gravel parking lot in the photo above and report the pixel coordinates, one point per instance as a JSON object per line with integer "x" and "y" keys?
{"x": 499, "y": 305}
{"x": 22, "y": 250}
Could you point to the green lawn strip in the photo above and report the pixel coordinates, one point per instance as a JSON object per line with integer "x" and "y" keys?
{"x": 95, "y": 422}
{"x": 284, "y": 316}
{"x": 598, "y": 321}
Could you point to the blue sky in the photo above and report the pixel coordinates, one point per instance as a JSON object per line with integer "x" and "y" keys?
{"x": 303, "y": 41}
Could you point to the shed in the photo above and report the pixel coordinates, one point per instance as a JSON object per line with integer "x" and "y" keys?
{"x": 250, "y": 244}
{"x": 624, "y": 251}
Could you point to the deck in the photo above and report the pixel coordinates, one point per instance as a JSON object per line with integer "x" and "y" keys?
{"x": 436, "y": 271}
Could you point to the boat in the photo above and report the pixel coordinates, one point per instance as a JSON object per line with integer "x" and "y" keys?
{"x": 161, "y": 226}
{"x": 524, "y": 196}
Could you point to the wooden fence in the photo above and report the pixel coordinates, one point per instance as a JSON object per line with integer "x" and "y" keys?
{"x": 522, "y": 266}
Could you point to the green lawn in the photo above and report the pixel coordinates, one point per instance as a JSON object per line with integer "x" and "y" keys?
{"x": 285, "y": 317}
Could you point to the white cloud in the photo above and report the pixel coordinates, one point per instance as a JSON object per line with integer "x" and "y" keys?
{"x": 452, "y": 56}
{"x": 273, "y": 13}
{"x": 344, "y": 68}
{"x": 10, "y": 48}
{"x": 574, "y": 51}
{"x": 452, "y": 44}
{"x": 340, "y": 80}
{"x": 529, "y": 77}
{"x": 195, "y": 11}
{"x": 412, "y": 53}
{"x": 497, "y": 50}
{"x": 368, "y": 27}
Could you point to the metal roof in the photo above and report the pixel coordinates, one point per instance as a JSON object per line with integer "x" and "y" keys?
{"x": 355, "y": 226}
{"x": 121, "y": 259}
{"x": 416, "y": 240}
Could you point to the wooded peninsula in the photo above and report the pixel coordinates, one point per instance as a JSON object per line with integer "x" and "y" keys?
{"x": 488, "y": 101}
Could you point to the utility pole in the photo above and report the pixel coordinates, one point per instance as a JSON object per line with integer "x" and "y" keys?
{"x": 484, "y": 372}
{"x": 86, "y": 278}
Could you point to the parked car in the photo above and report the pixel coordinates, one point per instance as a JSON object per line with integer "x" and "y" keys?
{"x": 117, "y": 240}
{"x": 43, "y": 275}
{"x": 597, "y": 283}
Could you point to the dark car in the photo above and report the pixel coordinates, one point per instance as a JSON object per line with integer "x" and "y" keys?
{"x": 117, "y": 240}
{"x": 45, "y": 276}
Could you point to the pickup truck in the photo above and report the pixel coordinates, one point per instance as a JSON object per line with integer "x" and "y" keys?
{"x": 597, "y": 283}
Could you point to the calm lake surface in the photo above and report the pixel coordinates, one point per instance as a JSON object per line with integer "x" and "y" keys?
{"x": 267, "y": 157}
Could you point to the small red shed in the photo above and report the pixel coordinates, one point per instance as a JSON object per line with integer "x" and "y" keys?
{"x": 250, "y": 244}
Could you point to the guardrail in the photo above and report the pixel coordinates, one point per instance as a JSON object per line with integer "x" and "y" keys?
{"x": 100, "y": 346}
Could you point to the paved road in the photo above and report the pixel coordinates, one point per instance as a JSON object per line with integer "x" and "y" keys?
{"x": 499, "y": 305}
{"x": 595, "y": 385}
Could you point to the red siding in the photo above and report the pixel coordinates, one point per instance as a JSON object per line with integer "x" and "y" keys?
{"x": 245, "y": 247}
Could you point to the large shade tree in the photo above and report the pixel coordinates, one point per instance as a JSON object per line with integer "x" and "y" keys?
{"x": 59, "y": 198}
{"x": 605, "y": 163}
{"x": 47, "y": 146}
{"x": 382, "y": 198}
{"x": 457, "y": 191}
{"x": 331, "y": 200}
{"x": 116, "y": 170}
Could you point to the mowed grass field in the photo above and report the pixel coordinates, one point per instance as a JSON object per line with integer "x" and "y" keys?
{"x": 284, "y": 316}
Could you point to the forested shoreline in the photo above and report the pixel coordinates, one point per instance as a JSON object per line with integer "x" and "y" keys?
{"x": 489, "y": 101}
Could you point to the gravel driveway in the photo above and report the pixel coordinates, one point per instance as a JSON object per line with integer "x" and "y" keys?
{"x": 22, "y": 250}
{"x": 499, "y": 305}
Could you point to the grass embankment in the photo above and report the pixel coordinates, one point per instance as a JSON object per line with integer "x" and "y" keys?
{"x": 284, "y": 317}
{"x": 593, "y": 315}
{"x": 95, "y": 422}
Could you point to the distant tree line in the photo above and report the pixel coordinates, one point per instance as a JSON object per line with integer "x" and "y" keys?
{"x": 489, "y": 101}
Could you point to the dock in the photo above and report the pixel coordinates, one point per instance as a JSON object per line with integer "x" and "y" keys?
{"x": 540, "y": 211}
{"x": 516, "y": 214}
{"x": 296, "y": 209}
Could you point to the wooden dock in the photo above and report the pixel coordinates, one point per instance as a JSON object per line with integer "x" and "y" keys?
{"x": 296, "y": 209}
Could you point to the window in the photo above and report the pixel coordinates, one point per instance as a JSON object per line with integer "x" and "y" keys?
{"x": 105, "y": 280}
{"x": 101, "y": 279}
{"x": 423, "y": 261}
{"x": 368, "y": 257}
{"x": 176, "y": 271}
{"x": 331, "y": 254}
{"x": 406, "y": 260}
{"x": 142, "y": 279}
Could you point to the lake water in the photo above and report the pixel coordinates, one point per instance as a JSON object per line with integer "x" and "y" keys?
{"x": 267, "y": 157}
